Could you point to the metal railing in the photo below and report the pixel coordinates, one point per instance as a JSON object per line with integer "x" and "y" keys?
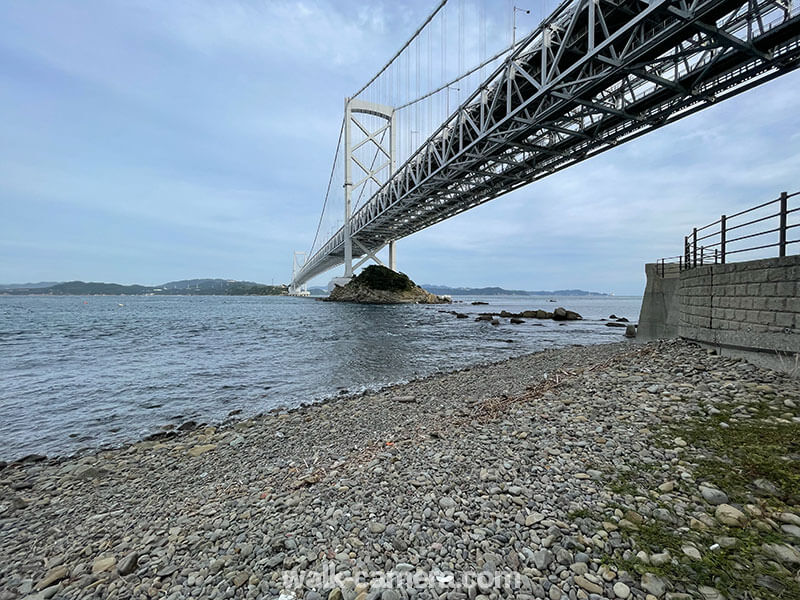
{"x": 729, "y": 235}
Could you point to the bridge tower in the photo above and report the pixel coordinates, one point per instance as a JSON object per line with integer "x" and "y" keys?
{"x": 382, "y": 140}
{"x": 298, "y": 261}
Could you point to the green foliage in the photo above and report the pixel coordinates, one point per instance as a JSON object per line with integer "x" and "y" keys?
{"x": 378, "y": 277}
{"x": 756, "y": 448}
{"x": 762, "y": 445}
{"x": 737, "y": 572}
{"x": 194, "y": 287}
{"x": 237, "y": 289}
{"x": 580, "y": 513}
{"x": 624, "y": 486}
{"x": 81, "y": 288}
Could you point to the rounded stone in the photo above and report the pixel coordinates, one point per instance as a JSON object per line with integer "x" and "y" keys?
{"x": 713, "y": 495}
{"x": 621, "y": 590}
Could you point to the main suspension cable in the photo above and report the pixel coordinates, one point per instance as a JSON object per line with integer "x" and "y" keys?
{"x": 328, "y": 191}
{"x": 460, "y": 77}
{"x": 406, "y": 45}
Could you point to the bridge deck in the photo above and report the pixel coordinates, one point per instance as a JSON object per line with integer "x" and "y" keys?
{"x": 584, "y": 90}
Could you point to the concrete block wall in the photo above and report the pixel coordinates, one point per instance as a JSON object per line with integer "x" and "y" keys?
{"x": 748, "y": 307}
{"x": 754, "y": 297}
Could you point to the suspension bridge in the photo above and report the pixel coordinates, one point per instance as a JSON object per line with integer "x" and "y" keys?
{"x": 461, "y": 114}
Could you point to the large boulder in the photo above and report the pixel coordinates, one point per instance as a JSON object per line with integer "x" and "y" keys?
{"x": 379, "y": 285}
{"x": 536, "y": 314}
{"x": 562, "y": 314}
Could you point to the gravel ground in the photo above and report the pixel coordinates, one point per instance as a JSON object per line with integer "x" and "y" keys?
{"x": 586, "y": 472}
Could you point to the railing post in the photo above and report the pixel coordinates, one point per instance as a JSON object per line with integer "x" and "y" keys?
{"x": 680, "y": 264}
{"x": 723, "y": 225}
{"x": 687, "y": 260}
{"x": 702, "y": 252}
{"x": 782, "y": 226}
{"x": 694, "y": 247}
{"x": 716, "y": 256}
{"x": 662, "y": 267}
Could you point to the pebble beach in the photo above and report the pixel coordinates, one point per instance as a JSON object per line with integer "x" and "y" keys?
{"x": 608, "y": 471}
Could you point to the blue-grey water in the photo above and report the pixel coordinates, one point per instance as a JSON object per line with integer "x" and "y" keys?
{"x": 87, "y": 372}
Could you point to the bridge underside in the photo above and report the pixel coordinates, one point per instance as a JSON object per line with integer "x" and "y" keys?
{"x": 593, "y": 76}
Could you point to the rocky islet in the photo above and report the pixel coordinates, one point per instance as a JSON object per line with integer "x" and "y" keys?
{"x": 377, "y": 284}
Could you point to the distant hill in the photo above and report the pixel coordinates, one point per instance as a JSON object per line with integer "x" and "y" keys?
{"x": 27, "y": 286}
{"x": 203, "y": 285}
{"x": 231, "y": 287}
{"x": 72, "y": 288}
{"x": 443, "y": 290}
{"x": 498, "y": 291}
{"x": 192, "y": 287}
{"x": 223, "y": 287}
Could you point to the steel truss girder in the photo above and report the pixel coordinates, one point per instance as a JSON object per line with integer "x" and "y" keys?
{"x": 594, "y": 75}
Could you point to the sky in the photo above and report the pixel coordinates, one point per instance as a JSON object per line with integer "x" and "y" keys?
{"x": 148, "y": 141}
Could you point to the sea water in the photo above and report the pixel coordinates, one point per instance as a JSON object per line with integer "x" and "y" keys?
{"x": 80, "y": 373}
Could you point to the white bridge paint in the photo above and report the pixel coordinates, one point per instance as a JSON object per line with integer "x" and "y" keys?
{"x": 593, "y": 75}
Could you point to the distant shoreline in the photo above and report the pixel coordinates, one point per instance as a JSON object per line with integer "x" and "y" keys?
{"x": 39, "y": 294}
{"x": 230, "y": 287}
{"x": 187, "y": 287}
{"x": 122, "y": 295}
{"x": 498, "y": 291}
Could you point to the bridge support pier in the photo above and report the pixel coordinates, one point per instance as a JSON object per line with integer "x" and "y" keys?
{"x": 392, "y": 257}
{"x": 298, "y": 261}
